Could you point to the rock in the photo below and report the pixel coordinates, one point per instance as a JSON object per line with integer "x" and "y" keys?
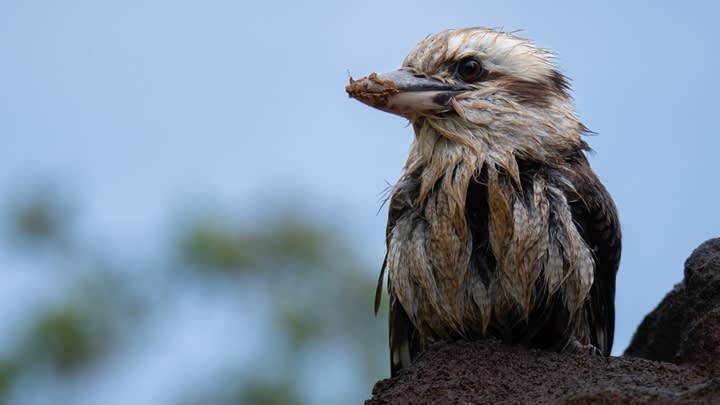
{"x": 658, "y": 336}
{"x": 674, "y": 357}
{"x": 491, "y": 372}
{"x": 685, "y": 326}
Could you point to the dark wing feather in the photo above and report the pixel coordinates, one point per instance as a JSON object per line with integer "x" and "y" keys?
{"x": 378, "y": 289}
{"x": 595, "y": 215}
{"x": 405, "y": 343}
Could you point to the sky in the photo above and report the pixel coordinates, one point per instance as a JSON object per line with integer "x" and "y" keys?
{"x": 145, "y": 108}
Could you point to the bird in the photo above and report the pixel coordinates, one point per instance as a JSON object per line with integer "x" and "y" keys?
{"x": 497, "y": 227}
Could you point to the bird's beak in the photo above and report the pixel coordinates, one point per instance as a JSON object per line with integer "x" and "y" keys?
{"x": 403, "y": 93}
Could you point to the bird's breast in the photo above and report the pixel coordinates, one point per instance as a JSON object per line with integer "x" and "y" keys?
{"x": 489, "y": 262}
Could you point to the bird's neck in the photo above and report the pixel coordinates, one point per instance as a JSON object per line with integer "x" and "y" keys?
{"x": 448, "y": 160}
{"x": 454, "y": 148}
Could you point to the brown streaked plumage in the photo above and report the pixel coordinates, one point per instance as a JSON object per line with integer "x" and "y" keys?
{"x": 498, "y": 226}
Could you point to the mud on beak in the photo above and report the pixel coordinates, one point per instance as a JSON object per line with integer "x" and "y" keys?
{"x": 403, "y": 92}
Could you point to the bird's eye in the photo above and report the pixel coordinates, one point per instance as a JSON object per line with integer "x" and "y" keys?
{"x": 470, "y": 70}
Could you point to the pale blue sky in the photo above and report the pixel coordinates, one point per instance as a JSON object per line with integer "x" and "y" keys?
{"x": 139, "y": 105}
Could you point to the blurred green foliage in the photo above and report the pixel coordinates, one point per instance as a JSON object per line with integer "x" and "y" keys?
{"x": 39, "y": 215}
{"x": 210, "y": 245}
{"x": 260, "y": 392}
{"x": 65, "y": 338}
{"x": 319, "y": 293}
{"x": 7, "y": 373}
{"x": 207, "y": 245}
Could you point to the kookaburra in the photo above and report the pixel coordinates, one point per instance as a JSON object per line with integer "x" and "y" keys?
{"x": 497, "y": 227}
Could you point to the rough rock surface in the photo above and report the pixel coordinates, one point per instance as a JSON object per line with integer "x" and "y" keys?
{"x": 674, "y": 357}
{"x": 685, "y": 326}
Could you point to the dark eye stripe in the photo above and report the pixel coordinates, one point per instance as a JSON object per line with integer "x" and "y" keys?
{"x": 538, "y": 93}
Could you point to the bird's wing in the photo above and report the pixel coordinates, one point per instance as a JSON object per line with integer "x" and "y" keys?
{"x": 405, "y": 341}
{"x": 595, "y": 215}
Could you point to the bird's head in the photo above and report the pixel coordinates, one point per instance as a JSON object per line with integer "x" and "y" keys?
{"x": 483, "y": 88}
